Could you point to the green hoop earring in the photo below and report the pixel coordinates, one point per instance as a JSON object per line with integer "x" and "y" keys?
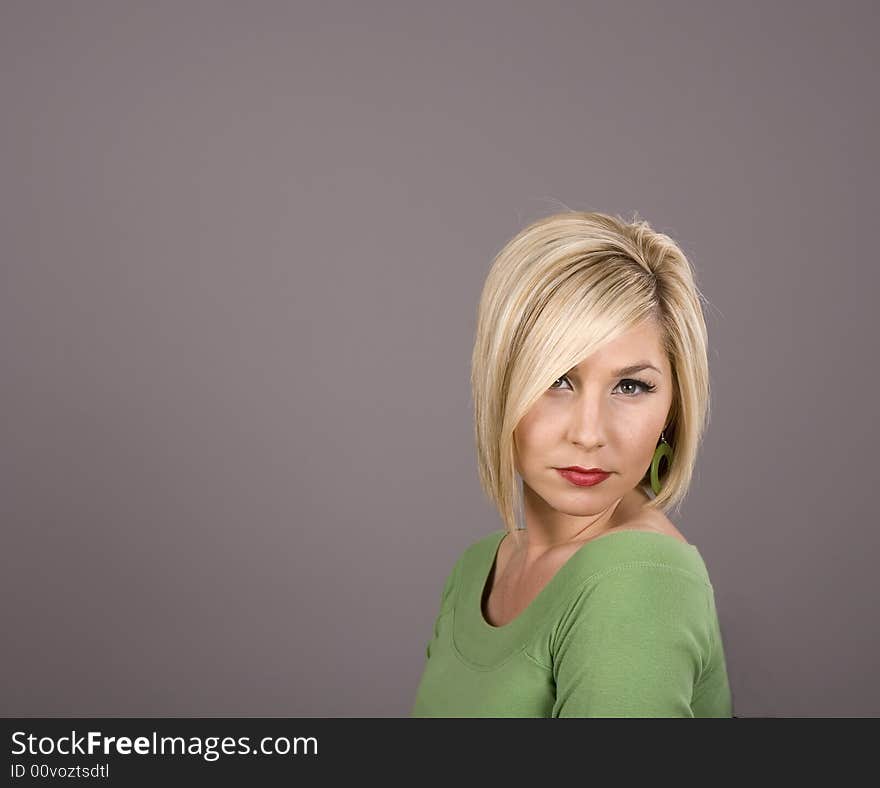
{"x": 662, "y": 450}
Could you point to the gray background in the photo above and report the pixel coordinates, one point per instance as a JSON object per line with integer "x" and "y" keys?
{"x": 243, "y": 245}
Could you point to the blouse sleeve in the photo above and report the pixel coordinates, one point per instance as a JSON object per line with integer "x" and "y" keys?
{"x": 446, "y": 602}
{"x": 633, "y": 644}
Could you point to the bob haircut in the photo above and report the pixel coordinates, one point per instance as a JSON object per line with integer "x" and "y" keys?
{"x": 556, "y": 292}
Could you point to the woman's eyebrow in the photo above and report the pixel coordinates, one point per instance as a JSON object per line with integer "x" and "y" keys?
{"x": 637, "y": 367}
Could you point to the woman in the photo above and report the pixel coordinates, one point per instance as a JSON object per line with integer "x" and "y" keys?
{"x": 590, "y": 354}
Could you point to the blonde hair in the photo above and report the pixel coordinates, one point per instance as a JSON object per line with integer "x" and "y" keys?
{"x": 556, "y": 292}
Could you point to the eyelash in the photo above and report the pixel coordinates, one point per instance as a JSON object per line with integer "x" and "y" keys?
{"x": 647, "y": 388}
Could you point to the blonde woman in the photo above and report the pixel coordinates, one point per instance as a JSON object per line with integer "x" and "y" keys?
{"x": 590, "y": 386}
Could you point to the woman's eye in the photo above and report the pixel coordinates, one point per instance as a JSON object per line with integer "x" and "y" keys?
{"x": 645, "y": 387}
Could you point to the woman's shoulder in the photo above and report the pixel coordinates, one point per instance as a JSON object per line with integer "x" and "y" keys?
{"x": 472, "y": 552}
{"x": 654, "y": 521}
{"x": 482, "y": 545}
{"x": 647, "y": 538}
{"x": 633, "y": 547}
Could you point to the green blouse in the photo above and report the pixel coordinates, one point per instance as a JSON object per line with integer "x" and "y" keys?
{"x": 627, "y": 627}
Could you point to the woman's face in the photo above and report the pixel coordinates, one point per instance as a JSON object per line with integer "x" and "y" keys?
{"x": 597, "y": 416}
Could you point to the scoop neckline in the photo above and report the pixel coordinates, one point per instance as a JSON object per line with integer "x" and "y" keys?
{"x": 554, "y": 581}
